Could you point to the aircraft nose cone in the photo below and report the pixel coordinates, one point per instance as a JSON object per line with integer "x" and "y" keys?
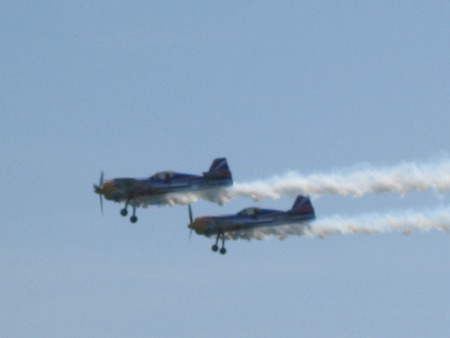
{"x": 197, "y": 226}
{"x": 106, "y": 189}
{"x": 98, "y": 190}
{"x": 193, "y": 225}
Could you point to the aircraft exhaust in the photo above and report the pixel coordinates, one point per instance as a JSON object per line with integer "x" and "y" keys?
{"x": 406, "y": 223}
{"x": 356, "y": 181}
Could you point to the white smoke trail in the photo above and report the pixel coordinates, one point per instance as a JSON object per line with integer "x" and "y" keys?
{"x": 356, "y": 181}
{"x": 405, "y": 223}
{"x": 218, "y": 196}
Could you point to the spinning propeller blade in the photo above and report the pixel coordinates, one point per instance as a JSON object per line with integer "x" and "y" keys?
{"x": 98, "y": 190}
{"x": 101, "y": 204}
{"x": 190, "y": 214}
{"x": 101, "y": 196}
{"x": 190, "y": 219}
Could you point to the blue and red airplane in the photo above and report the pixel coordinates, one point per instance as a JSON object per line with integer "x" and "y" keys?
{"x": 153, "y": 190}
{"x": 301, "y": 213}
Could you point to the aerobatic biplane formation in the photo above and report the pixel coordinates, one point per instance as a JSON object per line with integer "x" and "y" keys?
{"x": 154, "y": 190}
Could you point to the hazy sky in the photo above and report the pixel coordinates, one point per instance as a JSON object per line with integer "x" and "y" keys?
{"x": 137, "y": 87}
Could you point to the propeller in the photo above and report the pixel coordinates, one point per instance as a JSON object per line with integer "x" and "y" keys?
{"x": 190, "y": 214}
{"x": 98, "y": 190}
{"x": 191, "y": 220}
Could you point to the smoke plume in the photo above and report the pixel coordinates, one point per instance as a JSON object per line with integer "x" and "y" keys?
{"x": 356, "y": 181}
{"x": 405, "y": 223}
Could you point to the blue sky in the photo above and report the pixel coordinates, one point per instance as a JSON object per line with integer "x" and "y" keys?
{"x": 138, "y": 87}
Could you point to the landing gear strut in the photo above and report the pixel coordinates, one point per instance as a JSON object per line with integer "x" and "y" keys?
{"x": 215, "y": 247}
{"x": 133, "y": 218}
{"x": 124, "y": 212}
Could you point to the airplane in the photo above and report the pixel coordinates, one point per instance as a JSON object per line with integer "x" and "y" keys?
{"x": 153, "y": 190}
{"x": 301, "y": 212}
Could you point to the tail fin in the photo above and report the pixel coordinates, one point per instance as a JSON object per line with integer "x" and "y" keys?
{"x": 219, "y": 169}
{"x": 302, "y": 205}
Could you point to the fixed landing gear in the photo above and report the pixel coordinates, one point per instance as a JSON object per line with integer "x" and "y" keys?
{"x": 124, "y": 212}
{"x": 215, "y": 247}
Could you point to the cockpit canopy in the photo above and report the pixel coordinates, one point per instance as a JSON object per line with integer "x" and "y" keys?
{"x": 249, "y": 212}
{"x": 162, "y": 175}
